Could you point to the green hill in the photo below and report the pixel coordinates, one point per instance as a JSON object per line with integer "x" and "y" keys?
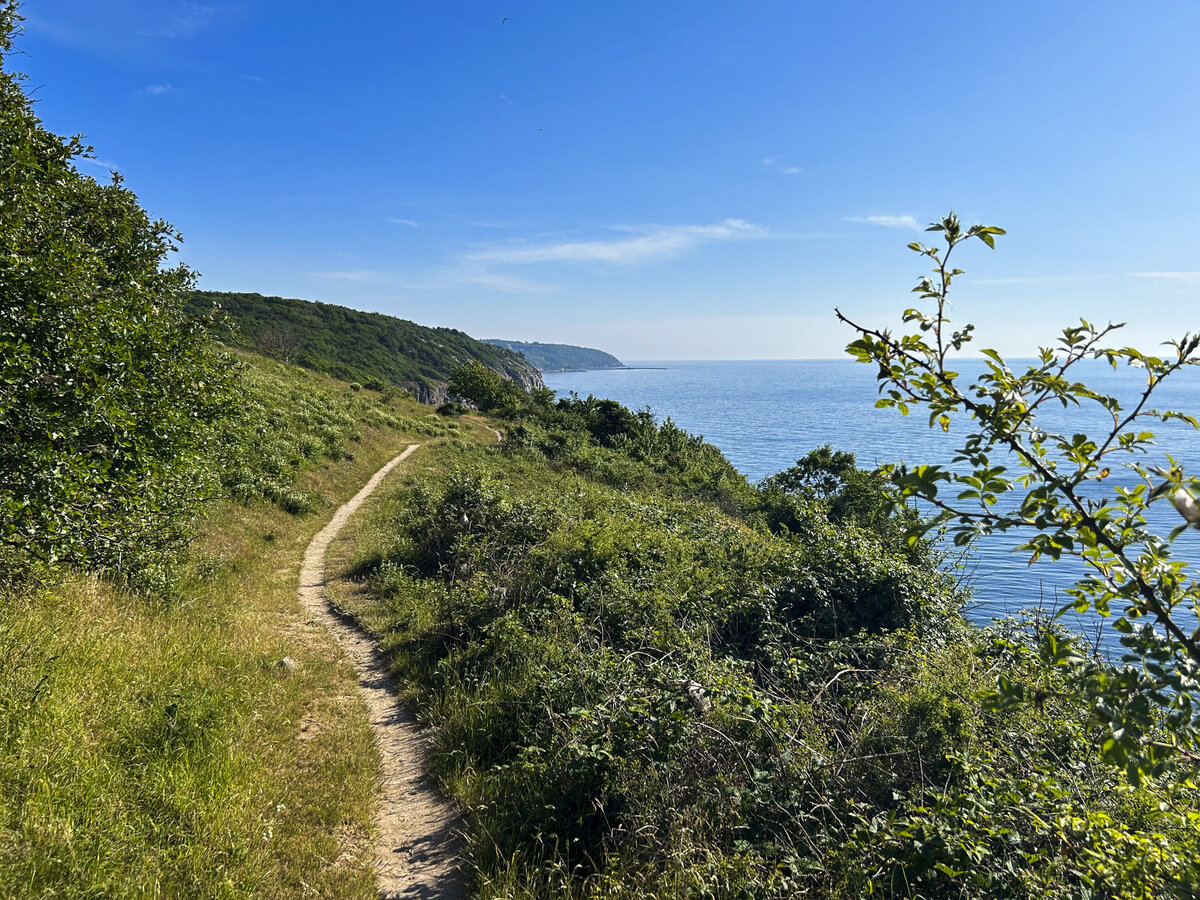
{"x": 359, "y": 346}
{"x": 560, "y": 357}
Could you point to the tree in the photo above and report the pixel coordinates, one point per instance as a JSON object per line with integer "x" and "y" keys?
{"x": 486, "y": 388}
{"x": 107, "y": 384}
{"x": 1148, "y": 703}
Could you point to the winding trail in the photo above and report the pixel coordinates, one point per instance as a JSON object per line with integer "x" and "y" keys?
{"x": 417, "y": 851}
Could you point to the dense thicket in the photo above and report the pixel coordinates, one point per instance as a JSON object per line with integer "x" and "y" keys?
{"x": 108, "y": 387}
{"x": 650, "y": 678}
{"x": 358, "y": 346}
{"x": 560, "y": 357}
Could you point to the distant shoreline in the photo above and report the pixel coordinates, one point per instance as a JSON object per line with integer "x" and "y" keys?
{"x": 604, "y": 369}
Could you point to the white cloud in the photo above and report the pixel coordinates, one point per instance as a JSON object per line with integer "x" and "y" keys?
{"x": 507, "y": 99}
{"x": 408, "y": 222}
{"x": 1178, "y": 277}
{"x": 888, "y": 221}
{"x": 771, "y": 163}
{"x": 649, "y": 242}
{"x": 510, "y": 284}
{"x": 158, "y": 89}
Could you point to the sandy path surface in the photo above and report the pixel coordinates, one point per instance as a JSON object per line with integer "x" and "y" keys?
{"x": 418, "y": 851}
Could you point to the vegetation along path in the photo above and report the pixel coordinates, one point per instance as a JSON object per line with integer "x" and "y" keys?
{"x": 417, "y": 846}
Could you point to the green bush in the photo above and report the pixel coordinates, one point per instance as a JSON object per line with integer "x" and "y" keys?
{"x": 109, "y": 389}
{"x": 549, "y": 626}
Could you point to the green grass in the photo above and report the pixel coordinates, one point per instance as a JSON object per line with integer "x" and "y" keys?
{"x": 152, "y": 744}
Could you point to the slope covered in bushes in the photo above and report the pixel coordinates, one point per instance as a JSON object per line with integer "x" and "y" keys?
{"x": 358, "y": 346}
{"x": 648, "y": 678}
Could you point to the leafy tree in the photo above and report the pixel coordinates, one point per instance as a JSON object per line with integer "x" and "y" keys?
{"x": 831, "y": 476}
{"x": 1062, "y": 494}
{"x": 486, "y": 388}
{"x": 107, "y": 385}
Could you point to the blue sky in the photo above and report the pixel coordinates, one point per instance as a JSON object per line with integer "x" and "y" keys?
{"x": 662, "y": 180}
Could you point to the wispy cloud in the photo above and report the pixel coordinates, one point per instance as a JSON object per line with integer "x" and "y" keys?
{"x": 490, "y": 265}
{"x": 507, "y": 99}
{"x": 500, "y": 281}
{"x": 1178, "y": 277}
{"x": 182, "y": 20}
{"x": 106, "y": 164}
{"x": 156, "y": 89}
{"x": 887, "y": 221}
{"x": 437, "y": 278}
{"x": 771, "y": 163}
{"x": 647, "y": 243}
{"x": 358, "y": 276}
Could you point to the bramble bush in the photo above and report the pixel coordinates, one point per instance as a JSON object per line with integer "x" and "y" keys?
{"x": 555, "y": 630}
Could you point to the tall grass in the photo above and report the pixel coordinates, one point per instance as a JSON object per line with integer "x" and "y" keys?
{"x": 157, "y": 744}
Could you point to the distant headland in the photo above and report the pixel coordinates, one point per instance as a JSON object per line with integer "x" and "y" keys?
{"x": 560, "y": 357}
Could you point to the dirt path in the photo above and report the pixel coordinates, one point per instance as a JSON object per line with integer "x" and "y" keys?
{"x": 418, "y": 853}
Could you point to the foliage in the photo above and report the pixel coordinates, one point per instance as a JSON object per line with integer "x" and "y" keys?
{"x": 637, "y": 694}
{"x": 849, "y": 494}
{"x": 486, "y": 388}
{"x": 288, "y": 419}
{"x": 1058, "y": 497}
{"x": 560, "y": 357}
{"x": 149, "y": 744}
{"x": 370, "y": 348}
{"x": 109, "y": 389}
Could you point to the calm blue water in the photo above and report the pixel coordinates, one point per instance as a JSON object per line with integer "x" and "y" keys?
{"x": 765, "y": 415}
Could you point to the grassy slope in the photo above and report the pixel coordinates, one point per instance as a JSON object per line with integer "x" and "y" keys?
{"x": 159, "y": 746}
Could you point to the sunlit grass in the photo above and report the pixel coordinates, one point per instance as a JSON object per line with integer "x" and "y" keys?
{"x": 159, "y": 745}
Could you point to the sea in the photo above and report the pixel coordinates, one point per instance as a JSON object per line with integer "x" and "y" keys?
{"x": 764, "y": 415}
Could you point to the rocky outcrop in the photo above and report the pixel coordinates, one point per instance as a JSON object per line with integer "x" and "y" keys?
{"x": 436, "y": 392}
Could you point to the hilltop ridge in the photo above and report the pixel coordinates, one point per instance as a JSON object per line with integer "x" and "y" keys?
{"x": 359, "y": 346}
{"x": 560, "y": 357}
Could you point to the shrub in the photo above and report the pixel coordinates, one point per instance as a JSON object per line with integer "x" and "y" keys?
{"x": 108, "y": 387}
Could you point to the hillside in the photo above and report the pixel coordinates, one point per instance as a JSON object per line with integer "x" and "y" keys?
{"x": 560, "y": 357}
{"x": 358, "y": 346}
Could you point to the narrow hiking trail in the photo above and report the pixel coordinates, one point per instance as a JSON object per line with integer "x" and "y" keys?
{"x": 418, "y": 854}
